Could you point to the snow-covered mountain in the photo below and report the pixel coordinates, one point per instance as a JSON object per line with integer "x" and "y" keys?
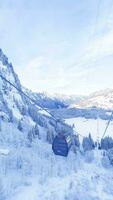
{"x": 17, "y": 109}
{"x": 46, "y": 100}
{"x": 96, "y": 105}
{"x": 26, "y": 134}
{"x": 54, "y": 101}
{"x": 101, "y": 99}
{"x": 67, "y": 99}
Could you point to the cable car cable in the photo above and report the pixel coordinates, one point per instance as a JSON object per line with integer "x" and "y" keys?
{"x": 107, "y": 124}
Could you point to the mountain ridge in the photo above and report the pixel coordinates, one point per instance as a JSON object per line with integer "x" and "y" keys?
{"x": 100, "y": 99}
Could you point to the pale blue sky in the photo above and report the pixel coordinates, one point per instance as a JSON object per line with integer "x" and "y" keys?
{"x": 59, "y": 46}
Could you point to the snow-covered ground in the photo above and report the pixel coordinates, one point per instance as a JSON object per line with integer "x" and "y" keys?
{"x": 50, "y": 177}
{"x": 93, "y": 126}
{"x": 33, "y": 172}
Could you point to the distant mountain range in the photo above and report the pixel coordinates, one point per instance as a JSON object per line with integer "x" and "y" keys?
{"x": 98, "y": 104}
{"x": 67, "y": 99}
{"x": 47, "y": 101}
{"x": 101, "y": 99}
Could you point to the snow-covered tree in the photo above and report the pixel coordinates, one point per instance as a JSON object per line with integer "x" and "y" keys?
{"x": 2, "y": 191}
{"x": 76, "y": 140}
{"x": 37, "y": 117}
{"x": 110, "y": 155}
{"x": 0, "y": 123}
{"x": 11, "y": 118}
{"x": 36, "y": 132}
{"x": 50, "y": 135}
{"x": 20, "y": 127}
{"x": 22, "y": 108}
{"x": 107, "y": 143}
{"x": 33, "y": 133}
{"x": 30, "y": 135}
{"x": 88, "y": 143}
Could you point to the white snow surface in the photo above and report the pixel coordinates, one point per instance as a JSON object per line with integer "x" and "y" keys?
{"x": 44, "y": 112}
{"x": 94, "y": 126}
{"x": 4, "y": 152}
{"x": 50, "y": 177}
{"x": 33, "y": 172}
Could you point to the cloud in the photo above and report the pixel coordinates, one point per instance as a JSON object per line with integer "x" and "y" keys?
{"x": 51, "y": 49}
{"x": 99, "y": 48}
{"x": 52, "y": 75}
{"x": 41, "y": 74}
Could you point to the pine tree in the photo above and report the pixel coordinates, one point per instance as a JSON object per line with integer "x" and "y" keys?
{"x": 88, "y": 143}
{"x": 36, "y": 132}
{"x": 50, "y": 135}
{"x": 20, "y": 125}
{"x": 107, "y": 143}
{"x": 2, "y": 192}
{"x": 0, "y": 123}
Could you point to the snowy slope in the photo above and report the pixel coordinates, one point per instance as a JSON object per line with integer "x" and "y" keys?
{"x": 49, "y": 177}
{"x": 19, "y": 110}
{"x": 93, "y": 126}
{"x": 100, "y": 99}
{"x": 47, "y": 101}
{"x": 42, "y": 175}
{"x": 25, "y": 133}
{"x": 67, "y": 99}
